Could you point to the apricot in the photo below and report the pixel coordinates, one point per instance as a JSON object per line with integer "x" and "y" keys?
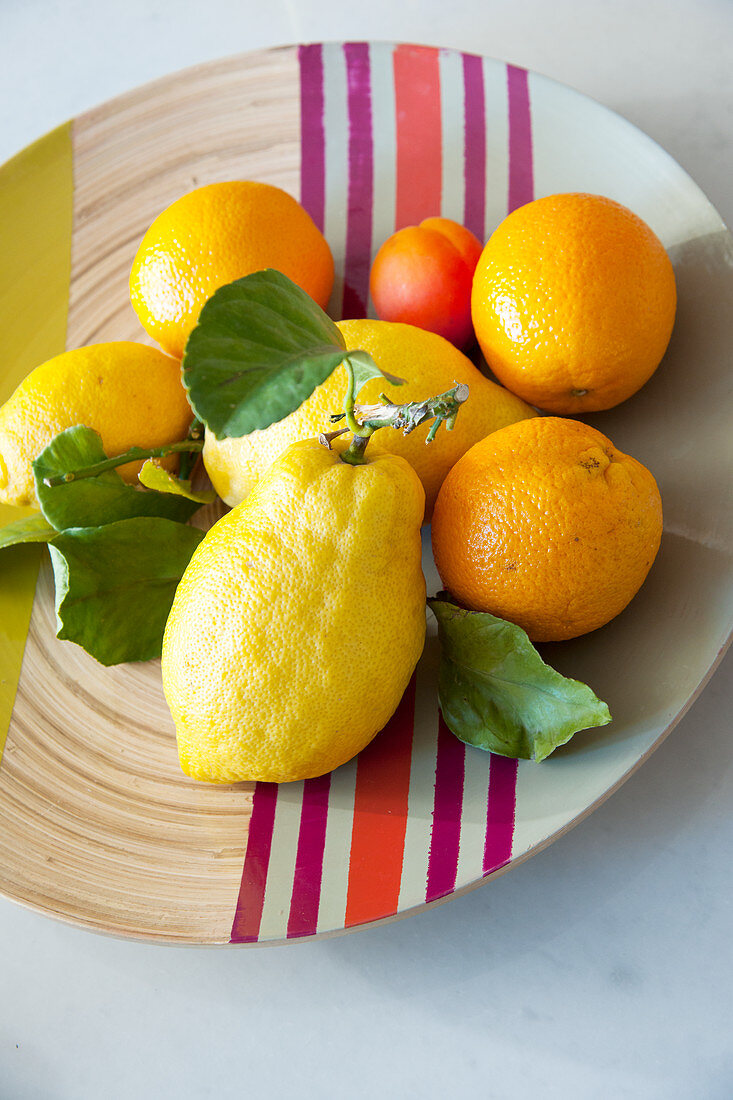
{"x": 422, "y": 276}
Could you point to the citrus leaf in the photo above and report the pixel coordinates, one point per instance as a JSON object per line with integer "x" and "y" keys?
{"x": 28, "y": 529}
{"x": 365, "y": 369}
{"x": 94, "y": 501}
{"x": 153, "y": 476}
{"x": 497, "y": 693}
{"x": 260, "y": 348}
{"x": 115, "y": 585}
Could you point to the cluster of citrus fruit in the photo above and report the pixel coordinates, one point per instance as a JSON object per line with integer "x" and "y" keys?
{"x": 300, "y": 618}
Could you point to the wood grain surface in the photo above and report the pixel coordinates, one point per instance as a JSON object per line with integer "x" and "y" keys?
{"x": 97, "y": 823}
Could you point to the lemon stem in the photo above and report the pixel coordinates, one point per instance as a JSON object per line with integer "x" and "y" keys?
{"x": 364, "y": 420}
{"x": 135, "y": 454}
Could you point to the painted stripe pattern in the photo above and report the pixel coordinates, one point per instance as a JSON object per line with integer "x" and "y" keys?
{"x": 248, "y": 914}
{"x": 474, "y": 148}
{"x": 521, "y": 172}
{"x": 380, "y": 818}
{"x": 391, "y": 135}
{"x": 418, "y": 112}
{"x": 306, "y": 892}
{"x": 360, "y": 184}
{"x": 446, "y": 834}
{"x": 312, "y": 134}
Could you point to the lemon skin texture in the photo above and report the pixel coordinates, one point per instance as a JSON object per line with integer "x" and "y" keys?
{"x": 430, "y": 365}
{"x": 130, "y": 393}
{"x": 299, "y": 620}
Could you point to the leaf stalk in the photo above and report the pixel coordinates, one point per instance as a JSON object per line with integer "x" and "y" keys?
{"x": 135, "y": 454}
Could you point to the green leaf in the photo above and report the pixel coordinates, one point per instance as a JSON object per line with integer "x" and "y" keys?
{"x": 260, "y": 348}
{"x": 155, "y": 477}
{"x": 497, "y": 693}
{"x": 28, "y": 529}
{"x": 115, "y": 585}
{"x": 365, "y": 369}
{"x": 94, "y": 501}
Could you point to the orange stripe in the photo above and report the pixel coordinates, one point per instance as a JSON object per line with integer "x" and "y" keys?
{"x": 380, "y": 818}
{"x": 417, "y": 102}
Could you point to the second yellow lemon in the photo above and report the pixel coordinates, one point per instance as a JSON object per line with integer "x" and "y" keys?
{"x": 430, "y": 365}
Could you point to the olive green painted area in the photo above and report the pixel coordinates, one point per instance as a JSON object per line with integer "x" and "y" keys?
{"x": 36, "y": 205}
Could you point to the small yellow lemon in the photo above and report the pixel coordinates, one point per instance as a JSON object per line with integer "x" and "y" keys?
{"x": 130, "y": 393}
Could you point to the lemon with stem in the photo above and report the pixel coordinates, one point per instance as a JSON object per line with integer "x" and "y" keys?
{"x": 301, "y": 616}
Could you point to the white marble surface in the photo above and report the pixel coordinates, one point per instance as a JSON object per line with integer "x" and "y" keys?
{"x": 602, "y": 968}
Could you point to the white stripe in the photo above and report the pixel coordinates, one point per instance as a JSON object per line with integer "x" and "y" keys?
{"x": 530, "y": 829}
{"x": 452, "y": 99}
{"x": 497, "y": 143}
{"x": 337, "y": 848}
{"x": 336, "y": 129}
{"x": 596, "y": 150}
{"x": 421, "y": 797}
{"x": 281, "y": 870}
{"x": 473, "y": 818}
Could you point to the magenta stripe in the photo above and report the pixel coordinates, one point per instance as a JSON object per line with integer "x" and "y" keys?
{"x": 500, "y": 812}
{"x": 502, "y": 800}
{"x": 306, "y": 895}
{"x": 474, "y": 145}
{"x": 360, "y": 191}
{"x": 312, "y": 134}
{"x": 248, "y": 914}
{"x": 521, "y": 179}
{"x": 446, "y": 832}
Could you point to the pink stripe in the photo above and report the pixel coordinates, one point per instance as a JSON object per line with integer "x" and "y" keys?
{"x": 475, "y": 145}
{"x": 446, "y": 832}
{"x": 248, "y": 914}
{"x": 500, "y": 813}
{"x": 521, "y": 179}
{"x": 360, "y": 192}
{"x": 304, "y": 901}
{"x": 312, "y": 133}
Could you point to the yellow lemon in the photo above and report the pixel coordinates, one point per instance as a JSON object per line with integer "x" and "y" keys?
{"x": 299, "y": 620}
{"x": 430, "y": 365}
{"x": 130, "y": 393}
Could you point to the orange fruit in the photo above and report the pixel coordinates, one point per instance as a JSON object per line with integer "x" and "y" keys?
{"x": 430, "y": 365}
{"x": 214, "y": 235}
{"x": 422, "y": 276}
{"x": 546, "y": 524}
{"x": 573, "y": 302}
